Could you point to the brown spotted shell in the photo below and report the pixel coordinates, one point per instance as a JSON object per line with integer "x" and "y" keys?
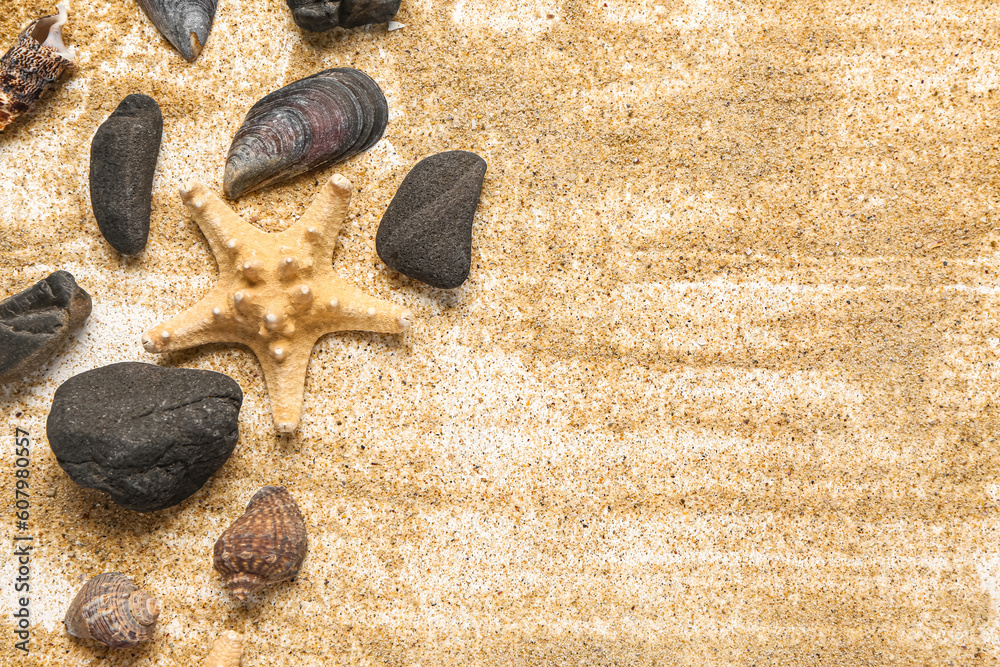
{"x": 110, "y": 609}
{"x": 267, "y": 544}
{"x": 32, "y": 65}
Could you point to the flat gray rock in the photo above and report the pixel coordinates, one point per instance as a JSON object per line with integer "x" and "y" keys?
{"x": 426, "y": 232}
{"x": 35, "y": 322}
{"x": 123, "y": 157}
{"x": 147, "y": 435}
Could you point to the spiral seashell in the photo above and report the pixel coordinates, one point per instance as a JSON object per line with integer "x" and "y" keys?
{"x": 227, "y": 651}
{"x": 110, "y": 609}
{"x": 185, "y": 23}
{"x": 308, "y": 124}
{"x": 35, "y": 62}
{"x": 267, "y": 544}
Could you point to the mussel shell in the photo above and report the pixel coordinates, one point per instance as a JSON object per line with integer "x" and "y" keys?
{"x": 185, "y": 23}
{"x": 373, "y": 102}
{"x": 308, "y": 124}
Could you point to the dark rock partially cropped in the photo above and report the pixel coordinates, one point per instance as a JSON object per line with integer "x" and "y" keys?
{"x": 147, "y": 435}
{"x": 35, "y": 322}
{"x": 122, "y": 164}
{"x": 426, "y": 233}
{"x": 321, "y": 15}
{"x": 354, "y": 13}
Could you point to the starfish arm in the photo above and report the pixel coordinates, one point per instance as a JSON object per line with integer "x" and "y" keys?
{"x": 202, "y": 323}
{"x": 321, "y": 222}
{"x": 350, "y": 309}
{"x": 285, "y": 374}
{"x": 226, "y": 232}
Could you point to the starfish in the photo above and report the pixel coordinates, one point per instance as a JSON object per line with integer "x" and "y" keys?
{"x": 277, "y": 293}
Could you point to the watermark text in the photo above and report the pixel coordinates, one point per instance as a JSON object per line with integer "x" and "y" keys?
{"x": 23, "y": 540}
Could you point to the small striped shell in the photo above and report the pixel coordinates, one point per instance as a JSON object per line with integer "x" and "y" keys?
{"x": 265, "y": 545}
{"x": 33, "y": 65}
{"x": 227, "y": 651}
{"x": 110, "y": 609}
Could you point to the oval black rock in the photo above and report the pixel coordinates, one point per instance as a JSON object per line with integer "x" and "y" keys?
{"x": 147, "y": 435}
{"x": 122, "y": 164}
{"x": 320, "y": 15}
{"x": 35, "y": 322}
{"x": 426, "y": 232}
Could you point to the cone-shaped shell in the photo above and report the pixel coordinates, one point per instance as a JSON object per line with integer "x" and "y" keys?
{"x": 267, "y": 544}
{"x": 110, "y": 609}
{"x": 185, "y": 23}
{"x": 308, "y": 124}
{"x": 32, "y": 65}
{"x": 226, "y": 652}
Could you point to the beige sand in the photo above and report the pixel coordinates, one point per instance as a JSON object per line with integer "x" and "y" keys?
{"x": 721, "y": 389}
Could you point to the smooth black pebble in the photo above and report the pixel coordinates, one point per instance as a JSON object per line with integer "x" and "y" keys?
{"x": 122, "y": 163}
{"x": 426, "y": 233}
{"x": 35, "y": 322}
{"x": 147, "y": 435}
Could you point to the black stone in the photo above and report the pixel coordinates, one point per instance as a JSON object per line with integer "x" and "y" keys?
{"x": 149, "y": 436}
{"x": 321, "y": 15}
{"x": 354, "y": 13}
{"x": 315, "y": 15}
{"x": 426, "y": 233}
{"x": 122, "y": 163}
{"x": 35, "y": 322}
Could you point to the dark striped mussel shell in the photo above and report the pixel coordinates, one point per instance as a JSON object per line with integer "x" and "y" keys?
{"x": 185, "y": 23}
{"x": 308, "y": 124}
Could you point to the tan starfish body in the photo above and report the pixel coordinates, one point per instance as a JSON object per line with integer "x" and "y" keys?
{"x": 227, "y": 651}
{"x": 277, "y": 293}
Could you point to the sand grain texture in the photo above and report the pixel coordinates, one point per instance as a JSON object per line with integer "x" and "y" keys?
{"x": 721, "y": 388}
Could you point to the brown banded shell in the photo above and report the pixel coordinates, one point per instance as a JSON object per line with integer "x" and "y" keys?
{"x": 227, "y": 651}
{"x": 308, "y": 124}
{"x": 110, "y": 609}
{"x": 185, "y": 23}
{"x": 32, "y": 65}
{"x": 267, "y": 544}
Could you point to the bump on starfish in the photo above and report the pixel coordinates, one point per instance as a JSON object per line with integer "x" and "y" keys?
{"x": 277, "y": 293}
